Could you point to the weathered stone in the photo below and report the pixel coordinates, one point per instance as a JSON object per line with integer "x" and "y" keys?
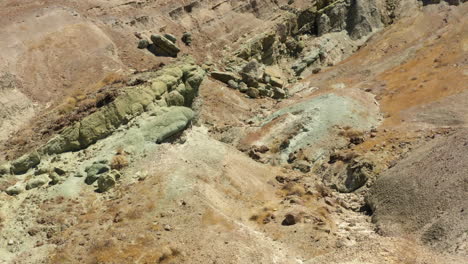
{"x": 54, "y": 178}
{"x": 276, "y": 82}
{"x": 252, "y": 73}
{"x": 278, "y": 93}
{"x": 243, "y": 88}
{"x": 37, "y": 181}
{"x": 15, "y": 189}
{"x": 171, "y": 37}
{"x": 308, "y": 60}
{"x": 26, "y": 162}
{"x": 289, "y": 220}
{"x": 174, "y": 98}
{"x": 187, "y": 38}
{"x": 263, "y": 91}
{"x": 253, "y": 92}
{"x": 108, "y": 180}
{"x": 164, "y": 46}
{"x": 94, "y": 171}
{"x": 233, "y": 84}
{"x": 355, "y": 175}
{"x": 302, "y": 166}
{"x": 184, "y": 77}
{"x": 143, "y": 44}
{"x": 169, "y": 121}
{"x": 59, "y": 171}
{"x": 4, "y": 169}
{"x": 224, "y": 77}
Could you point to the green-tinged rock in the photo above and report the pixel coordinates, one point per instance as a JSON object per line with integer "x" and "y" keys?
{"x": 168, "y": 122}
{"x": 54, "y": 178}
{"x": 94, "y": 171}
{"x": 4, "y": 169}
{"x": 233, "y": 84}
{"x": 26, "y": 162}
{"x": 159, "y": 88}
{"x": 169, "y": 80}
{"x": 164, "y": 46}
{"x": 15, "y": 189}
{"x": 243, "y": 88}
{"x": 187, "y": 38}
{"x": 37, "y": 181}
{"x": 171, "y": 37}
{"x": 174, "y": 98}
{"x": 143, "y": 44}
{"x": 108, "y": 180}
{"x": 147, "y": 94}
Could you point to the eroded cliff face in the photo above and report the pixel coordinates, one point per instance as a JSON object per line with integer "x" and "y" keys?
{"x": 232, "y": 131}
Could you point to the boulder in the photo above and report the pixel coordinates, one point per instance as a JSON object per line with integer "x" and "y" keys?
{"x": 187, "y": 38}
{"x": 108, "y": 180}
{"x": 4, "y": 169}
{"x": 170, "y": 37}
{"x": 278, "y": 93}
{"x": 253, "y": 92}
{"x": 168, "y": 122}
{"x": 276, "y": 82}
{"x": 94, "y": 171}
{"x": 37, "y": 181}
{"x": 15, "y": 189}
{"x": 164, "y": 46}
{"x": 26, "y": 162}
{"x": 224, "y": 77}
{"x": 233, "y": 84}
{"x": 243, "y": 88}
{"x": 252, "y": 73}
{"x": 143, "y": 44}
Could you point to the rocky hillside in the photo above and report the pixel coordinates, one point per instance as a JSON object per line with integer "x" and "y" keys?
{"x": 216, "y": 131}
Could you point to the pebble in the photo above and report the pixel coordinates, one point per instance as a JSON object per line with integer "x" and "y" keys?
{"x": 11, "y": 242}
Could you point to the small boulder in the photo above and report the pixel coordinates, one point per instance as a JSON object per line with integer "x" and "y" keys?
{"x": 278, "y": 93}
{"x": 187, "y": 38}
{"x": 243, "y": 88}
{"x": 54, "y": 178}
{"x": 93, "y": 172}
{"x": 171, "y": 37}
{"x": 24, "y": 163}
{"x": 224, "y": 77}
{"x": 276, "y": 82}
{"x": 4, "y": 169}
{"x": 37, "y": 182}
{"x": 164, "y": 46}
{"x": 15, "y": 189}
{"x": 143, "y": 44}
{"x": 233, "y": 84}
{"x": 253, "y": 92}
{"x": 108, "y": 180}
{"x": 289, "y": 220}
{"x": 252, "y": 73}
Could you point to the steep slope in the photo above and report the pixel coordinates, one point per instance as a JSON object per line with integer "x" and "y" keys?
{"x": 260, "y": 149}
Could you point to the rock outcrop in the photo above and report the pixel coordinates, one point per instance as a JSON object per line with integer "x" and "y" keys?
{"x": 174, "y": 85}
